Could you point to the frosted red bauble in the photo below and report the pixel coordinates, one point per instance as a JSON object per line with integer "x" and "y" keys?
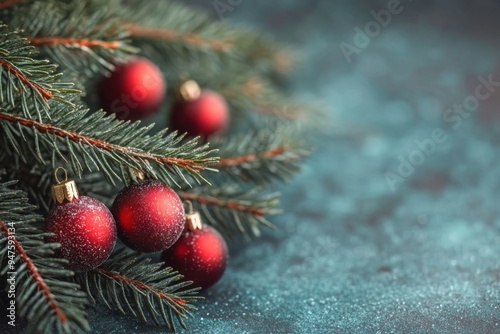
{"x": 201, "y": 256}
{"x": 86, "y": 230}
{"x": 133, "y": 90}
{"x": 149, "y": 216}
{"x": 205, "y": 116}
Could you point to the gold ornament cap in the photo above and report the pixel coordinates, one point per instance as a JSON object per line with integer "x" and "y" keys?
{"x": 136, "y": 175}
{"x": 64, "y": 190}
{"x": 193, "y": 219}
{"x": 189, "y": 91}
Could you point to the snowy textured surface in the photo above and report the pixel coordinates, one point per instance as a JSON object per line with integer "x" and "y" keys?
{"x": 352, "y": 256}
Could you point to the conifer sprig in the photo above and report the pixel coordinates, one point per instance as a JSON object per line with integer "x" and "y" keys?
{"x": 262, "y": 155}
{"x": 233, "y": 211}
{"x": 87, "y": 44}
{"x": 99, "y": 142}
{"x": 44, "y": 295}
{"x": 129, "y": 282}
{"x": 27, "y": 83}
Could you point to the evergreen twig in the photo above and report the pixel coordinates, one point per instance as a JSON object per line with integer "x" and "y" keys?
{"x": 21, "y": 76}
{"x": 43, "y": 124}
{"x": 232, "y": 210}
{"x": 262, "y": 155}
{"x": 175, "y": 29}
{"x": 129, "y": 282}
{"x": 85, "y": 44}
{"x": 98, "y": 142}
{"x": 169, "y": 35}
{"x": 251, "y": 92}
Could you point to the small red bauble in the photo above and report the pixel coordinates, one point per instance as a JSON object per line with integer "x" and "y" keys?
{"x": 199, "y": 112}
{"x": 200, "y": 255}
{"x": 83, "y": 226}
{"x": 150, "y": 216}
{"x": 133, "y": 91}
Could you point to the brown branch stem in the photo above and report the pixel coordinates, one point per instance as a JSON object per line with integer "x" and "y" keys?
{"x": 46, "y": 94}
{"x": 94, "y": 142}
{"x": 255, "y": 89}
{"x": 235, "y": 161}
{"x": 221, "y": 203}
{"x": 35, "y": 274}
{"x": 179, "y": 303}
{"x": 82, "y": 42}
{"x": 136, "y": 30}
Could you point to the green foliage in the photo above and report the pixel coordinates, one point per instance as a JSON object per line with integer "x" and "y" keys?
{"x": 98, "y": 142}
{"x": 262, "y": 156}
{"x": 177, "y": 30}
{"x": 44, "y": 295}
{"x": 44, "y": 123}
{"x": 87, "y": 44}
{"x": 26, "y": 83}
{"x": 130, "y": 283}
{"x": 234, "y": 211}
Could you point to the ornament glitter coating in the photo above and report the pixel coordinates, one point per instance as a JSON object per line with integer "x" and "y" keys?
{"x": 200, "y": 254}
{"x": 149, "y": 215}
{"x": 83, "y": 226}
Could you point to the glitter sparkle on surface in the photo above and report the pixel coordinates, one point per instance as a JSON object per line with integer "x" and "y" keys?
{"x": 351, "y": 256}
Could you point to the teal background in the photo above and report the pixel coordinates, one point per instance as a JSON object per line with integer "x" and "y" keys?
{"x": 351, "y": 255}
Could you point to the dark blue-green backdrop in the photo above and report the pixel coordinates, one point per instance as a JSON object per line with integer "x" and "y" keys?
{"x": 356, "y": 253}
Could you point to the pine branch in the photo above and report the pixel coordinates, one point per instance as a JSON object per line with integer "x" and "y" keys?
{"x": 43, "y": 295}
{"x": 271, "y": 57}
{"x": 250, "y": 92}
{"x": 26, "y": 78}
{"x": 262, "y": 156}
{"x": 232, "y": 210}
{"x": 176, "y": 29}
{"x": 97, "y": 141}
{"x": 170, "y": 35}
{"x": 249, "y": 158}
{"x": 173, "y": 28}
{"x": 86, "y": 44}
{"x": 249, "y": 95}
{"x": 129, "y": 282}
{"x": 37, "y": 180}
{"x": 34, "y": 179}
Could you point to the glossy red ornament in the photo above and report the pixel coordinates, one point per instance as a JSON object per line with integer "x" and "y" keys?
{"x": 200, "y": 255}
{"x": 149, "y": 216}
{"x": 133, "y": 90}
{"x": 83, "y": 226}
{"x": 200, "y": 113}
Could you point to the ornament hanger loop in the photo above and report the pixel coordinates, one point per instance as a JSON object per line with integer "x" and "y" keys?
{"x": 190, "y": 205}
{"x": 138, "y": 174}
{"x": 193, "y": 219}
{"x": 189, "y": 90}
{"x": 65, "y": 175}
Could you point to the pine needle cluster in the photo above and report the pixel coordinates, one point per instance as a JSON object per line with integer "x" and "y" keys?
{"x": 52, "y": 52}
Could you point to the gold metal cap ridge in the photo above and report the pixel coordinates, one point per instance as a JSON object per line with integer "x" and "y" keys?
{"x": 64, "y": 190}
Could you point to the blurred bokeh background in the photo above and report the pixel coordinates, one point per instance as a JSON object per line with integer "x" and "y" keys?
{"x": 394, "y": 225}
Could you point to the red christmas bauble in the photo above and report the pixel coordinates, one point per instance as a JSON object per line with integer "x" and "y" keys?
{"x": 204, "y": 116}
{"x": 133, "y": 91}
{"x": 86, "y": 230}
{"x": 149, "y": 215}
{"x": 200, "y": 255}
